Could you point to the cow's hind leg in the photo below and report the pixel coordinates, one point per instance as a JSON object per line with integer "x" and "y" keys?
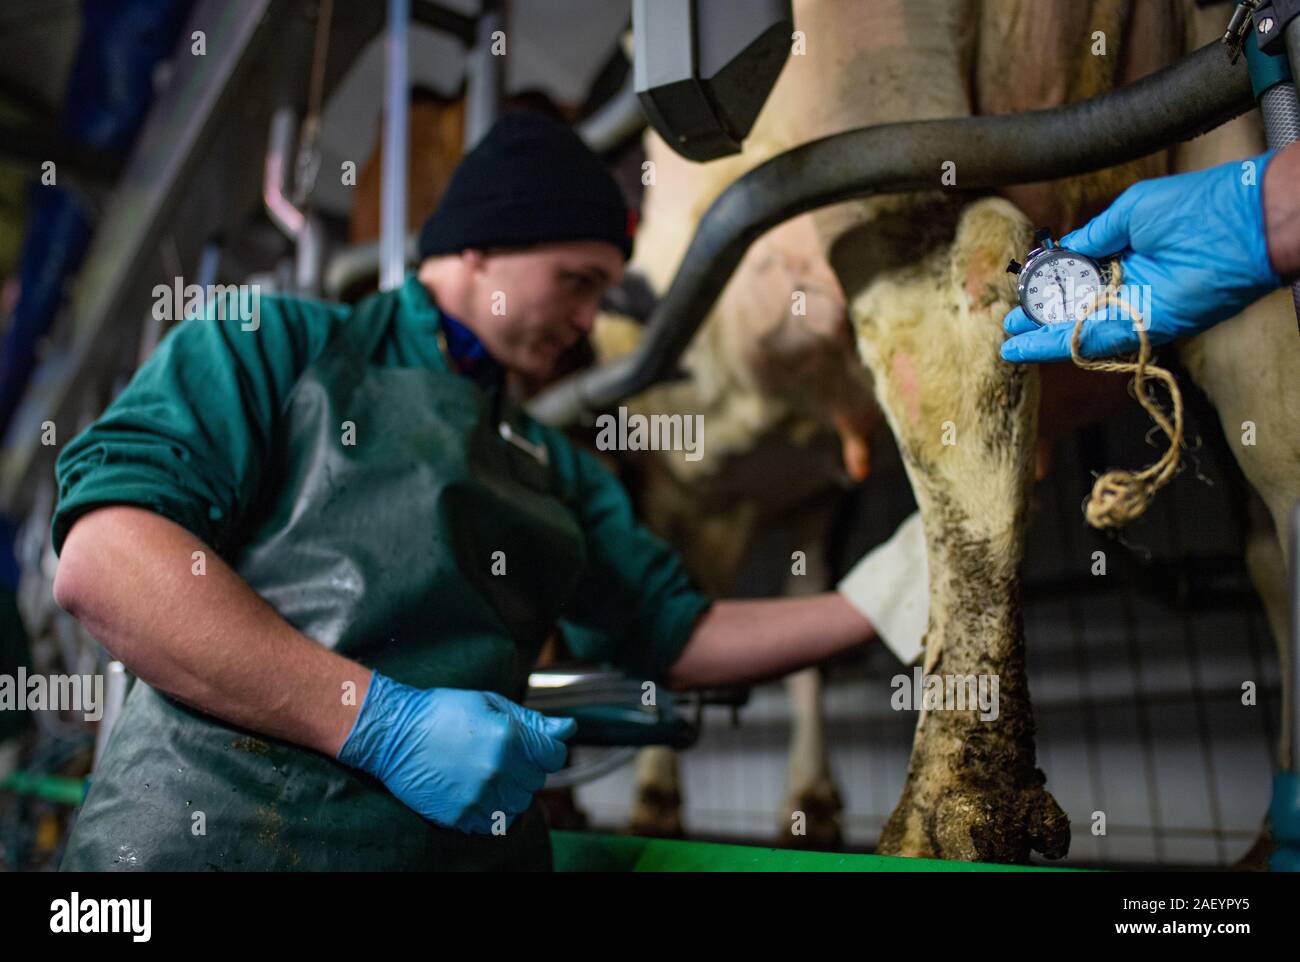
{"x": 657, "y": 808}
{"x": 813, "y": 805}
{"x": 928, "y": 316}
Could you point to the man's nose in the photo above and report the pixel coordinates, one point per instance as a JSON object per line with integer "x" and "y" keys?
{"x": 585, "y": 318}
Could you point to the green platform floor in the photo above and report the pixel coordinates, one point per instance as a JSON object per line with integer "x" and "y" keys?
{"x": 593, "y": 852}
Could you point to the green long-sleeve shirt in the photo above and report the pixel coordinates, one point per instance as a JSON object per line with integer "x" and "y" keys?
{"x": 190, "y": 438}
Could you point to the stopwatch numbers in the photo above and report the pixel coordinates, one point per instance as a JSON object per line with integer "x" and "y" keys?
{"x": 1058, "y": 286}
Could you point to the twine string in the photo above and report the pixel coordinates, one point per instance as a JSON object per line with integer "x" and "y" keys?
{"x": 1120, "y": 495}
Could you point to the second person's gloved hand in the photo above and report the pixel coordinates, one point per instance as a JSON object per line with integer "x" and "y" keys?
{"x": 1195, "y": 241}
{"x": 457, "y": 757}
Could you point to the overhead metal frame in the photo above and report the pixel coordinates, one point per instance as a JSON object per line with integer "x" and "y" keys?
{"x": 186, "y": 179}
{"x": 397, "y": 113}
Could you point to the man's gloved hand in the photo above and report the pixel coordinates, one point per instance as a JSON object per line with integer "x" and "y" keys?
{"x": 1195, "y": 241}
{"x": 455, "y": 756}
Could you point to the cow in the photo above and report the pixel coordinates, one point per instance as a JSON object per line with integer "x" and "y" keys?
{"x": 924, "y": 281}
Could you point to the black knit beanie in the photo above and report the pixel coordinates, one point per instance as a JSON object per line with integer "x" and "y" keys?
{"x": 530, "y": 180}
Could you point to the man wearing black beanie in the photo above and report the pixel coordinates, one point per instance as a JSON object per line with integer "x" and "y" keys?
{"x": 330, "y": 545}
{"x": 533, "y": 225}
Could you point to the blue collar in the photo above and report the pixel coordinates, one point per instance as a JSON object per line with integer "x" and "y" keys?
{"x": 468, "y": 353}
{"x": 468, "y": 356}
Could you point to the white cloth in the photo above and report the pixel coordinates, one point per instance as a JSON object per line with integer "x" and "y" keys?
{"x": 891, "y": 587}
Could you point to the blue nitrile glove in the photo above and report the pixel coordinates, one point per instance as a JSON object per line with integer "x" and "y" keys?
{"x": 1193, "y": 243}
{"x": 455, "y": 756}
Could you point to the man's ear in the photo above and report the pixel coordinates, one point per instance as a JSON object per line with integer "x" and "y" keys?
{"x": 473, "y": 258}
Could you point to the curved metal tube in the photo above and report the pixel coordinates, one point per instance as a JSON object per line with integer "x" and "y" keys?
{"x": 305, "y": 230}
{"x": 580, "y": 773}
{"x": 616, "y": 121}
{"x": 1196, "y": 94}
{"x": 275, "y": 175}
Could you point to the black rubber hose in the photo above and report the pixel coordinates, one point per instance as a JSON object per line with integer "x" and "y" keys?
{"x": 1190, "y": 97}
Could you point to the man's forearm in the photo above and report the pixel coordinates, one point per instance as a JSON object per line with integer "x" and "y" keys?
{"x": 1282, "y": 212}
{"x": 208, "y": 639}
{"x": 742, "y": 642}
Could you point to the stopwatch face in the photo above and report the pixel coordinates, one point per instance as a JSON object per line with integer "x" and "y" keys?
{"x": 1055, "y": 285}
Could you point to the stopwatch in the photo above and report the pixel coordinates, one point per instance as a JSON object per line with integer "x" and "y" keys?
{"x": 1056, "y": 281}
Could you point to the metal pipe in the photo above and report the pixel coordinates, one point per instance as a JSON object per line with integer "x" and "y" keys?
{"x": 588, "y": 770}
{"x": 115, "y": 685}
{"x": 275, "y": 175}
{"x": 483, "y": 75}
{"x": 397, "y": 101}
{"x": 209, "y": 264}
{"x": 306, "y": 231}
{"x": 309, "y": 259}
{"x": 1281, "y": 115}
{"x": 1196, "y": 94}
{"x": 618, "y": 119}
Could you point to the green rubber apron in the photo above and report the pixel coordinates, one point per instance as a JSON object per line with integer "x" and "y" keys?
{"x": 383, "y": 550}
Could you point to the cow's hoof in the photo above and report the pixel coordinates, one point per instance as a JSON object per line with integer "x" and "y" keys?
{"x": 657, "y": 813}
{"x": 971, "y": 825}
{"x": 813, "y": 818}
